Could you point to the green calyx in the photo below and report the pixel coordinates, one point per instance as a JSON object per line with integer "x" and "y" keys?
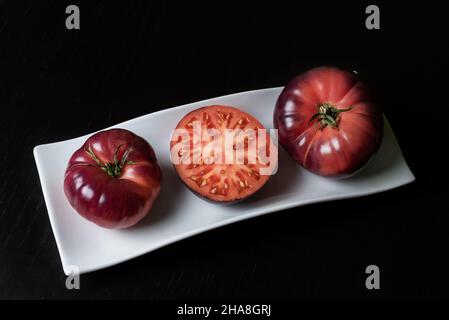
{"x": 114, "y": 168}
{"x": 328, "y": 115}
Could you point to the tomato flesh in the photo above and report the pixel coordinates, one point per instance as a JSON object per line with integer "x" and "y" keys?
{"x": 222, "y": 181}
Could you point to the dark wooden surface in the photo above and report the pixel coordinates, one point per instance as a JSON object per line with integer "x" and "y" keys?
{"x": 131, "y": 58}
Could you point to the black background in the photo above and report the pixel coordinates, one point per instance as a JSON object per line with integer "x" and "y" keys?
{"x": 131, "y": 58}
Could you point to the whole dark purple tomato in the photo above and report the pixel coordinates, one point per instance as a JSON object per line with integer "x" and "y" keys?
{"x": 113, "y": 179}
{"x": 328, "y": 122}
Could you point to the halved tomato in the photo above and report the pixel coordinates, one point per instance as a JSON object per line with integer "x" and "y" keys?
{"x": 222, "y": 153}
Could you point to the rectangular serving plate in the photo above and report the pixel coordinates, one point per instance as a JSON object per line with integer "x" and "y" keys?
{"x": 177, "y": 213}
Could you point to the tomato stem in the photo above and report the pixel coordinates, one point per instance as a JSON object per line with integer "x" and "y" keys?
{"x": 328, "y": 115}
{"x": 114, "y": 168}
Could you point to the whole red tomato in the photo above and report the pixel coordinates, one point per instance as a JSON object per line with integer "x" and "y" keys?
{"x": 328, "y": 122}
{"x": 113, "y": 179}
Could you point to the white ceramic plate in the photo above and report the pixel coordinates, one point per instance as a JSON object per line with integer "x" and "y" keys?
{"x": 178, "y": 213}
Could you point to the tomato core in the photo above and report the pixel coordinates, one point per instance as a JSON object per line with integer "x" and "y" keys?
{"x": 113, "y": 169}
{"x": 328, "y": 115}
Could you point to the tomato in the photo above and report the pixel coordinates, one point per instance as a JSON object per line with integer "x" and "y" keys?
{"x": 113, "y": 179}
{"x": 328, "y": 122}
{"x": 215, "y": 173}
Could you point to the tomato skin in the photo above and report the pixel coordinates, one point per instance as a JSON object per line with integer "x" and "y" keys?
{"x": 115, "y": 202}
{"x": 332, "y": 151}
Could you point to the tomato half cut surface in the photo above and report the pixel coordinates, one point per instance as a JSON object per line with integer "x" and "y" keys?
{"x": 214, "y": 162}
